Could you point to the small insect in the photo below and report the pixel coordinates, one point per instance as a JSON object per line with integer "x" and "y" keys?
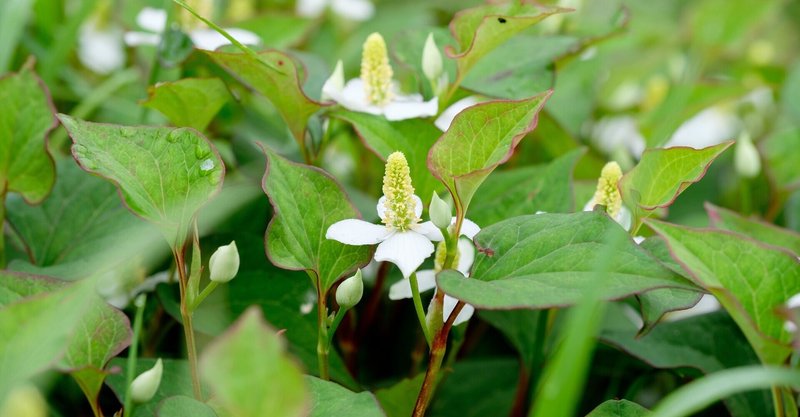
{"x": 501, "y": 19}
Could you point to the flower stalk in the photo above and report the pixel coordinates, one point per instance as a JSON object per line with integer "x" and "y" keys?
{"x": 419, "y": 308}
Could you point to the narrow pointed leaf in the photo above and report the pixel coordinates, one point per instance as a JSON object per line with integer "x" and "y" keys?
{"x": 546, "y": 260}
{"x": 164, "y": 175}
{"x": 750, "y": 280}
{"x": 481, "y": 138}
{"x": 307, "y": 201}
{"x": 189, "y": 102}
{"x": 27, "y": 117}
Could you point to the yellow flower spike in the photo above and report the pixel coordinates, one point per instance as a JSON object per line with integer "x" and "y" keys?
{"x": 399, "y": 204}
{"x": 607, "y": 193}
{"x": 376, "y": 71}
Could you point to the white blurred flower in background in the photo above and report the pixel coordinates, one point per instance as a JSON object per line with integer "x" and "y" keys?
{"x": 355, "y": 10}
{"x": 100, "y": 46}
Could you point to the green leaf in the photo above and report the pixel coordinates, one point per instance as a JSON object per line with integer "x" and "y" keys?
{"x": 527, "y": 190}
{"x": 524, "y": 329}
{"x": 477, "y": 388}
{"x": 181, "y": 405}
{"x": 708, "y": 342}
{"x": 399, "y": 399}
{"x": 164, "y": 175}
{"x": 749, "y": 279}
{"x": 619, "y": 408}
{"x": 27, "y": 118}
{"x": 697, "y": 395}
{"x": 175, "y": 381}
{"x": 278, "y": 30}
{"x": 331, "y": 399}
{"x": 662, "y": 174}
{"x": 249, "y": 374}
{"x": 481, "y": 138}
{"x": 546, "y": 260}
{"x": 14, "y": 17}
{"x": 282, "y": 86}
{"x": 781, "y": 152}
{"x": 189, "y": 102}
{"x": 481, "y": 29}
{"x": 766, "y": 232}
{"x": 307, "y": 201}
{"x": 413, "y": 137}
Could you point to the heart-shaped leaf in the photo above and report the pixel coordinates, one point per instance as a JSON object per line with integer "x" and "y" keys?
{"x": 766, "y": 232}
{"x": 164, "y": 175}
{"x": 27, "y": 118}
{"x": 307, "y": 201}
{"x": 189, "y": 102}
{"x": 331, "y": 399}
{"x": 548, "y": 260}
{"x": 662, "y": 174}
{"x": 250, "y": 354}
{"x": 481, "y": 138}
{"x": 480, "y": 29}
{"x": 750, "y": 279}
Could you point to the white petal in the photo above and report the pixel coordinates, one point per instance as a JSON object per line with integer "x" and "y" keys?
{"x": 407, "y": 107}
{"x": 707, "y": 304}
{"x": 101, "y": 50}
{"x": 407, "y": 250}
{"x": 357, "y": 232}
{"x": 445, "y": 119}
{"x": 429, "y": 230}
{"x": 469, "y": 228}
{"x": 624, "y": 218}
{"x": 141, "y": 38}
{"x": 426, "y": 280}
{"x": 417, "y": 206}
{"x": 638, "y": 239}
{"x": 709, "y": 127}
{"x": 210, "y": 39}
{"x": 353, "y": 97}
{"x": 448, "y": 307}
{"x": 466, "y": 256}
{"x": 590, "y": 205}
{"x": 152, "y": 19}
{"x": 794, "y": 301}
{"x": 310, "y": 8}
{"x": 334, "y": 83}
{"x": 356, "y": 10}
{"x": 381, "y": 207}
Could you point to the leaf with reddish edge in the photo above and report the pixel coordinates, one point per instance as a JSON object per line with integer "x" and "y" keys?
{"x": 749, "y": 278}
{"x": 664, "y": 173}
{"x": 164, "y": 175}
{"x": 283, "y": 87}
{"x": 188, "y": 102}
{"x": 481, "y": 138}
{"x": 26, "y": 119}
{"x": 481, "y": 29}
{"x": 306, "y": 201}
{"x": 725, "y": 219}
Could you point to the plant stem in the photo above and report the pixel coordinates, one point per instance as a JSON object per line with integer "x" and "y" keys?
{"x": 188, "y": 328}
{"x": 438, "y": 349}
{"x": 335, "y": 325}
{"x": 412, "y": 280}
{"x": 777, "y": 400}
{"x": 140, "y": 302}
{"x": 155, "y": 67}
{"x": 205, "y": 293}
{"x": 322, "y": 336}
{"x": 2, "y": 229}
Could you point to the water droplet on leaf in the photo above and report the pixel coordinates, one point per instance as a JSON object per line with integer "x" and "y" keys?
{"x": 173, "y": 136}
{"x": 207, "y": 165}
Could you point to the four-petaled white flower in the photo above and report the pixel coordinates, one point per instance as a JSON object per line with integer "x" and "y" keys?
{"x": 355, "y": 10}
{"x": 375, "y": 92}
{"x": 154, "y": 21}
{"x": 403, "y": 240}
{"x": 426, "y": 279}
{"x": 607, "y": 194}
{"x": 100, "y": 46}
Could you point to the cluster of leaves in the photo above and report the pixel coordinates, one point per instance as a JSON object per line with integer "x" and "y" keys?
{"x": 238, "y": 144}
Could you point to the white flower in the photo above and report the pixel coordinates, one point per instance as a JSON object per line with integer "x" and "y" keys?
{"x": 607, "y": 194}
{"x": 402, "y": 240}
{"x": 426, "y": 279}
{"x": 707, "y": 304}
{"x": 445, "y": 119}
{"x": 710, "y": 127}
{"x": 154, "y": 22}
{"x": 100, "y": 46}
{"x": 375, "y": 92}
{"x": 745, "y": 157}
{"x": 610, "y": 134}
{"x": 355, "y": 10}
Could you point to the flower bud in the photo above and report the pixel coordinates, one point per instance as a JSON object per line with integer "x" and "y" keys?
{"x": 335, "y": 83}
{"x": 440, "y": 212}
{"x": 350, "y": 291}
{"x": 431, "y": 60}
{"x": 745, "y": 157}
{"x": 144, "y": 387}
{"x": 224, "y": 263}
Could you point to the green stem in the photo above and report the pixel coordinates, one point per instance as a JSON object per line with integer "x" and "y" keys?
{"x": 205, "y": 293}
{"x": 412, "y": 280}
{"x": 2, "y": 229}
{"x": 777, "y": 401}
{"x": 746, "y": 197}
{"x": 188, "y": 328}
{"x": 322, "y": 337}
{"x": 133, "y": 352}
{"x": 335, "y": 325}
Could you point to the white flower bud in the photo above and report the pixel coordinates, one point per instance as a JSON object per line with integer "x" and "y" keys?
{"x": 440, "y": 212}
{"x": 224, "y": 263}
{"x": 431, "y": 60}
{"x": 144, "y": 387}
{"x": 350, "y": 291}
{"x": 335, "y": 83}
{"x": 745, "y": 158}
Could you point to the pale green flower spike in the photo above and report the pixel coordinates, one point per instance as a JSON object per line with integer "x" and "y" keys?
{"x": 607, "y": 193}
{"x": 399, "y": 204}
{"x": 376, "y": 71}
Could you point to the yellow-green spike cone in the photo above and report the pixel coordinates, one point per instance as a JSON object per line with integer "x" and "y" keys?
{"x": 399, "y": 193}
{"x": 376, "y": 71}
{"x": 607, "y": 193}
